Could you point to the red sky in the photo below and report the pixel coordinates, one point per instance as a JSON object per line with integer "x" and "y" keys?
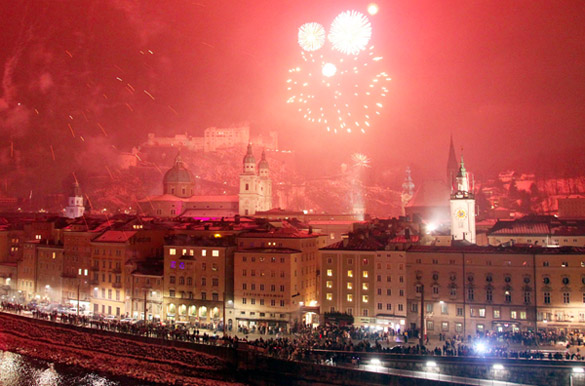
{"x": 505, "y": 78}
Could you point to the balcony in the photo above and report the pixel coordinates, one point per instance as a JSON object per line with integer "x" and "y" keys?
{"x": 117, "y": 285}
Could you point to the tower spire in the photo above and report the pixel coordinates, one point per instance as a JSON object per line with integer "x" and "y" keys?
{"x": 452, "y": 164}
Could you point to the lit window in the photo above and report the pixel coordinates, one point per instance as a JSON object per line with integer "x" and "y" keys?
{"x": 203, "y": 252}
{"x": 79, "y": 271}
{"x": 329, "y": 284}
{"x": 329, "y": 296}
{"x": 513, "y": 315}
{"x": 349, "y": 297}
{"x": 365, "y": 298}
{"x": 365, "y": 286}
{"x": 172, "y": 251}
{"x": 329, "y": 272}
{"x": 173, "y": 264}
{"x": 365, "y": 273}
{"x": 215, "y": 253}
{"x": 349, "y": 285}
{"x": 350, "y": 273}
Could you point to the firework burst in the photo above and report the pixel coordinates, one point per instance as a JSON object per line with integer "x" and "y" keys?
{"x": 341, "y": 87}
{"x": 360, "y": 160}
{"x": 311, "y": 36}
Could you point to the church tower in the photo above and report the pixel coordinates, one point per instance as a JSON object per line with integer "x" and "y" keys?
{"x": 75, "y": 206}
{"x": 452, "y": 166}
{"x": 248, "y": 185}
{"x": 255, "y": 189}
{"x": 264, "y": 185}
{"x": 462, "y": 208}
{"x": 407, "y": 190}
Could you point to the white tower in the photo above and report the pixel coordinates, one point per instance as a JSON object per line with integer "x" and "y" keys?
{"x": 248, "y": 185}
{"x": 75, "y": 206}
{"x": 264, "y": 185}
{"x": 255, "y": 189}
{"x": 463, "y": 208}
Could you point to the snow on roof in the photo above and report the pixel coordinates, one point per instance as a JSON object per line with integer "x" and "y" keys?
{"x": 115, "y": 236}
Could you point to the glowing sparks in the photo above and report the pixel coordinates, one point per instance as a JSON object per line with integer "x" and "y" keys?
{"x": 311, "y": 36}
{"x": 335, "y": 91}
{"x": 337, "y": 94}
{"x": 360, "y": 160}
{"x": 329, "y": 69}
{"x": 373, "y": 9}
{"x": 350, "y": 32}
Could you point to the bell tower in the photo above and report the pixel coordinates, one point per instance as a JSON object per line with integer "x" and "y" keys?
{"x": 462, "y": 207}
{"x": 75, "y": 206}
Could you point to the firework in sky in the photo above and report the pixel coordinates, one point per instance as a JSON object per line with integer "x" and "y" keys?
{"x": 339, "y": 84}
{"x": 360, "y": 160}
{"x": 350, "y": 32}
{"x": 311, "y": 36}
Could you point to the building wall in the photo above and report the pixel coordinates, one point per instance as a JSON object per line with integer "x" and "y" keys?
{"x": 348, "y": 284}
{"x": 49, "y": 273}
{"x": 197, "y": 280}
{"x": 266, "y": 290}
{"x": 390, "y": 289}
{"x": 560, "y": 291}
{"x": 147, "y": 289}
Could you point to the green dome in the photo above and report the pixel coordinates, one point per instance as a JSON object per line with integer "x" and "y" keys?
{"x": 178, "y": 173}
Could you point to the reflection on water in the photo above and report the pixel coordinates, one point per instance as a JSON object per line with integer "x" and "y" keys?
{"x": 18, "y": 370}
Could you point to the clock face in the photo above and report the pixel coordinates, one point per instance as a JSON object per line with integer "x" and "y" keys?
{"x": 461, "y": 213}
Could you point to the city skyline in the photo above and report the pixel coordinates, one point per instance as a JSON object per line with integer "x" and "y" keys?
{"x": 502, "y": 79}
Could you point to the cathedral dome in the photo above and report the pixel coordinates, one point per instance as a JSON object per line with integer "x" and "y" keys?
{"x": 263, "y": 164}
{"x": 178, "y": 180}
{"x": 178, "y": 173}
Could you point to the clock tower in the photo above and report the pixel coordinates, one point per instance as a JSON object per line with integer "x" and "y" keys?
{"x": 462, "y": 208}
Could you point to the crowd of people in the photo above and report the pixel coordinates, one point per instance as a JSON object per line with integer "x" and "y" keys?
{"x": 335, "y": 343}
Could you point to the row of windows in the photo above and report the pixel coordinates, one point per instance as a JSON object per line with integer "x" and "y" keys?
{"x": 261, "y": 286}
{"x": 262, "y": 273}
{"x": 189, "y": 281}
{"x": 103, "y": 292}
{"x": 348, "y": 297}
{"x": 389, "y": 306}
{"x": 365, "y": 274}
{"x": 189, "y": 295}
{"x": 191, "y": 252}
{"x": 261, "y": 259}
{"x": 349, "y": 261}
{"x": 261, "y": 302}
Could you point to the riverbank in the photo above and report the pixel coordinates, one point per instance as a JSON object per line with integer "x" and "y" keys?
{"x": 113, "y": 355}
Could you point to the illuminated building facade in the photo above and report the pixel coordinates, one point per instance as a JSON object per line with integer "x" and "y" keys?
{"x": 462, "y": 208}
{"x": 255, "y": 187}
{"x": 198, "y": 277}
{"x": 279, "y": 256}
{"x": 49, "y": 272}
{"x": 363, "y": 279}
{"x": 112, "y": 255}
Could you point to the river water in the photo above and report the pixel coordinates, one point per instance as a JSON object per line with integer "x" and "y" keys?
{"x": 19, "y": 370}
